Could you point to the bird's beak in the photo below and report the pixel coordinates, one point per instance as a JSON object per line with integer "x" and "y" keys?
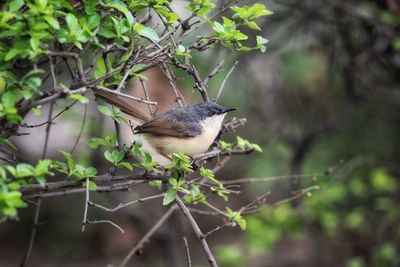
{"x": 229, "y": 110}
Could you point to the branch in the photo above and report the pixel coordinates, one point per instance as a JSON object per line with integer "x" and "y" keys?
{"x": 199, "y": 234}
{"x": 120, "y": 206}
{"x": 147, "y": 236}
{"x": 187, "y": 252}
{"x": 225, "y": 79}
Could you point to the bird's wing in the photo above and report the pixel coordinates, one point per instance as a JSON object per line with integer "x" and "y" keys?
{"x": 170, "y": 125}
{"x": 123, "y": 105}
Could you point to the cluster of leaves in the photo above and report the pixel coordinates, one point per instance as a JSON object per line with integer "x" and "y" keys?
{"x": 30, "y": 29}
{"x": 13, "y": 90}
{"x": 12, "y": 178}
{"x": 241, "y": 144}
{"x": 229, "y": 34}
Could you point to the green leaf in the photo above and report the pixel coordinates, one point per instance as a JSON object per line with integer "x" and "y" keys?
{"x": 383, "y": 181}
{"x": 81, "y": 98}
{"x": 207, "y": 173}
{"x": 201, "y": 7}
{"x": 70, "y": 160}
{"x": 92, "y": 185}
{"x": 120, "y": 6}
{"x": 73, "y": 23}
{"x": 96, "y": 142}
{"x": 24, "y": 170}
{"x": 105, "y": 110}
{"x": 37, "y": 110}
{"x": 146, "y": 32}
{"x": 90, "y": 172}
{"x": 5, "y": 141}
{"x": 42, "y": 3}
{"x": 8, "y": 99}
{"x": 126, "y": 165}
{"x": 261, "y": 42}
{"x": 52, "y": 22}
{"x": 169, "y": 196}
{"x": 42, "y": 167}
{"x": 173, "y": 182}
{"x": 15, "y": 5}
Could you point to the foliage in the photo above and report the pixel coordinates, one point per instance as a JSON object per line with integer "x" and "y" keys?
{"x": 43, "y": 30}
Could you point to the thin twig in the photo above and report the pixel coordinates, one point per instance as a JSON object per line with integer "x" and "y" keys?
{"x": 108, "y": 222}
{"x": 269, "y": 179}
{"x": 84, "y": 221}
{"x": 120, "y": 206}
{"x": 146, "y": 95}
{"x": 147, "y": 236}
{"x": 219, "y": 227}
{"x": 199, "y": 234}
{"x": 78, "y": 138}
{"x": 172, "y": 79}
{"x": 225, "y": 79}
{"x": 189, "y": 261}
{"x": 33, "y": 234}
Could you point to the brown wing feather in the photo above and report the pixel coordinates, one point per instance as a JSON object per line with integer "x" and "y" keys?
{"x": 123, "y": 105}
{"x": 163, "y": 126}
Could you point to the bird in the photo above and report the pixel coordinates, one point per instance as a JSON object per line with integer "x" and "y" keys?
{"x": 188, "y": 129}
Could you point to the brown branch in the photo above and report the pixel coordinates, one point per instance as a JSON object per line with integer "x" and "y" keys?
{"x": 120, "y": 206}
{"x": 35, "y": 225}
{"x": 225, "y": 79}
{"x": 189, "y": 261}
{"x": 269, "y": 179}
{"x": 147, "y": 236}
{"x": 199, "y": 234}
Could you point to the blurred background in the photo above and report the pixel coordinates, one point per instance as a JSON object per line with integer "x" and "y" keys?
{"x": 324, "y": 100}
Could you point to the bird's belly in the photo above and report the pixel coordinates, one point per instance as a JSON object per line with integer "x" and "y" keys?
{"x": 190, "y": 145}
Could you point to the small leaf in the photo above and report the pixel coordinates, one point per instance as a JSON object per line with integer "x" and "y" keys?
{"x": 37, "y": 110}
{"x": 126, "y": 165}
{"x": 52, "y": 22}
{"x": 92, "y": 185}
{"x": 80, "y": 98}
{"x": 146, "y": 32}
{"x": 105, "y": 110}
{"x": 169, "y": 196}
{"x": 70, "y": 160}
{"x": 120, "y": 6}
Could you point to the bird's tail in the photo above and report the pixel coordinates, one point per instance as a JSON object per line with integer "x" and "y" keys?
{"x": 120, "y": 103}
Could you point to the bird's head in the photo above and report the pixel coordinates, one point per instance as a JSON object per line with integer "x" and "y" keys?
{"x": 211, "y": 109}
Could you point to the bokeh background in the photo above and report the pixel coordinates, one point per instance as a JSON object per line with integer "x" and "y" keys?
{"x": 324, "y": 100}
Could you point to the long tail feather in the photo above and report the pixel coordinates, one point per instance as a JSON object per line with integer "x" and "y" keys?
{"x": 123, "y": 105}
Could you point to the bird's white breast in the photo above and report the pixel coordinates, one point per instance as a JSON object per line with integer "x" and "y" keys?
{"x": 191, "y": 145}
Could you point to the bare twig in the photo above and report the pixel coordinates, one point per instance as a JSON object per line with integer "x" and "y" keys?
{"x": 107, "y": 222}
{"x": 35, "y": 224}
{"x": 84, "y": 221}
{"x": 270, "y": 179}
{"x": 120, "y": 206}
{"x": 147, "y": 236}
{"x": 219, "y": 227}
{"x": 172, "y": 81}
{"x": 199, "y": 234}
{"x": 189, "y": 261}
{"x": 225, "y": 79}
{"x": 78, "y": 138}
{"x": 146, "y": 95}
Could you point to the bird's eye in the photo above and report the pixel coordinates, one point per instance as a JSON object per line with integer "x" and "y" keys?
{"x": 213, "y": 112}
